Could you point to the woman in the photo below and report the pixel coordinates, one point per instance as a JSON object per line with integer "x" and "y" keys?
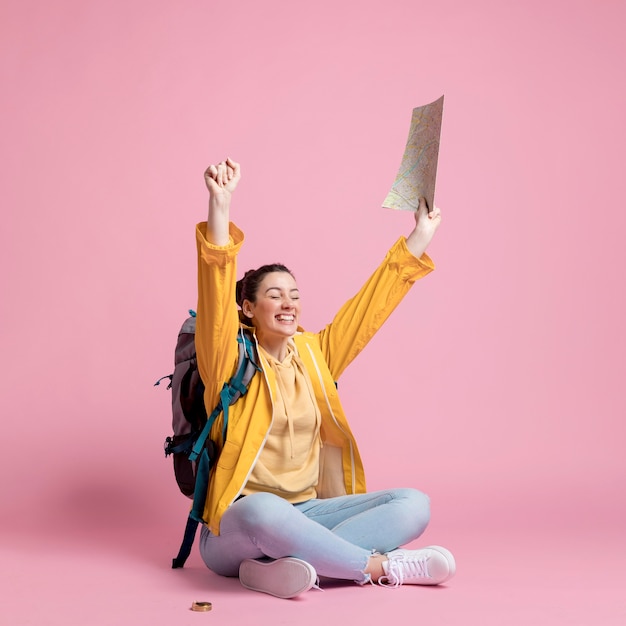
{"x": 287, "y": 499}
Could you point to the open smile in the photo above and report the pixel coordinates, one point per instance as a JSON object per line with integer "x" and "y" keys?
{"x": 286, "y": 317}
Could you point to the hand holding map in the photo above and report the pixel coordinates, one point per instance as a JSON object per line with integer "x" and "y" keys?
{"x": 418, "y": 170}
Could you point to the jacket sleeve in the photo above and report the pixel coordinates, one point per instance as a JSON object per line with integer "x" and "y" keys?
{"x": 360, "y": 317}
{"x": 217, "y": 321}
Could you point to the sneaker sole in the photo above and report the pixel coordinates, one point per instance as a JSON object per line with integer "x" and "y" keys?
{"x": 283, "y": 578}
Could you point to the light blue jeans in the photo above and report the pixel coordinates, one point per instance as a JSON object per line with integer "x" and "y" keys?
{"x": 336, "y": 535}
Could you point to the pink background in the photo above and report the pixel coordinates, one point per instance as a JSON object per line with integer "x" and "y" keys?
{"x": 497, "y": 387}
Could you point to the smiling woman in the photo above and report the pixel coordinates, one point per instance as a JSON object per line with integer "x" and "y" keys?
{"x": 269, "y": 297}
{"x": 287, "y": 499}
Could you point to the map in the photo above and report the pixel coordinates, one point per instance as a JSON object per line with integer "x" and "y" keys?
{"x": 418, "y": 170}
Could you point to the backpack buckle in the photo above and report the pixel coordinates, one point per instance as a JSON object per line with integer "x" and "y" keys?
{"x": 169, "y": 386}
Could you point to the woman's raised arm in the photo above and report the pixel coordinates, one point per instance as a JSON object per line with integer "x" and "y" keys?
{"x": 425, "y": 226}
{"x": 221, "y": 180}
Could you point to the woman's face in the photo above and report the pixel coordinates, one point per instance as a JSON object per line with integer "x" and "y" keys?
{"x": 276, "y": 312}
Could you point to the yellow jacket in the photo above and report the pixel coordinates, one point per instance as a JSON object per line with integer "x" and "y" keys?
{"x": 325, "y": 355}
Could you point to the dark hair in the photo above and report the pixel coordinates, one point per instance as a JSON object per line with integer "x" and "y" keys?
{"x": 248, "y": 286}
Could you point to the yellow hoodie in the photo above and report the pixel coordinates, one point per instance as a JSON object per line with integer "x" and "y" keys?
{"x": 325, "y": 356}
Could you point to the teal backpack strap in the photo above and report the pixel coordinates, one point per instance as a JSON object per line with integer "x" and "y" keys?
{"x": 186, "y": 545}
{"x": 203, "y": 468}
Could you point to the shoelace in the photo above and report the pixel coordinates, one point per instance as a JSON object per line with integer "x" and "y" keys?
{"x": 399, "y": 568}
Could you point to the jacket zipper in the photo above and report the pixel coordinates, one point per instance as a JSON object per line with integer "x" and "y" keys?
{"x": 349, "y": 439}
{"x": 256, "y": 458}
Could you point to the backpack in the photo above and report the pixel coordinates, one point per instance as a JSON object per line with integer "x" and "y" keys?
{"x": 193, "y": 452}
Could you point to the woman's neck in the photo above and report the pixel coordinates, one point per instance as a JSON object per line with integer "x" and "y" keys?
{"x": 276, "y": 347}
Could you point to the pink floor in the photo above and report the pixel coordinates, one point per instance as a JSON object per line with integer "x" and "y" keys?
{"x": 105, "y": 577}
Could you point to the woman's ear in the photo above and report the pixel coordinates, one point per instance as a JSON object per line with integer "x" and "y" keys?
{"x": 247, "y": 309}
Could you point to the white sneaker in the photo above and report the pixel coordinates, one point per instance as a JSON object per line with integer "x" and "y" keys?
{"x": 283, "y": 578}
{"x": 429, "y": 566}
